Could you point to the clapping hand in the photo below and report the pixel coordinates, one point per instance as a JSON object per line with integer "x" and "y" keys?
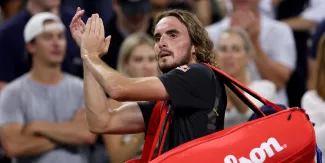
{"x": 77, "y": 26}
{"x": 248, "y": 21}
{"x": 93, "y": 41}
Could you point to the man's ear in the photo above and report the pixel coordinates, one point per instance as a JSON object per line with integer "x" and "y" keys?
{"x": 30, "y": 48}
{"x": 193, "y": 51}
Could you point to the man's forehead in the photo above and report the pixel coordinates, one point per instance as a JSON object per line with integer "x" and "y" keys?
{"x": 169, "y": 22}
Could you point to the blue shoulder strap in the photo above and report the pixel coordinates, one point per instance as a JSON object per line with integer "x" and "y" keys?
{"x": 319, "y": 154}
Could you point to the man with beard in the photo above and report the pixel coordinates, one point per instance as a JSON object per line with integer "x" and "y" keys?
{"x": 196, "y": 95}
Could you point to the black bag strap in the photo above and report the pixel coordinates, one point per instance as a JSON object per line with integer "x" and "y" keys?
{"x": 232, "y": 84}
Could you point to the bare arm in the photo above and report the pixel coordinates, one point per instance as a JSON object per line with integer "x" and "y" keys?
{"x": 300, "y": 23}
{"x": 116, "y": 85}
{"x": 121, "y": 151}
{"x": 104, "y": 119}
{"x": 15, "y": 144}
{"x": 311, "y": 82}
{"x": 74, "y": 132}
{"x": 116, "y": 145}
{"x": 122, "y": 88}
{"x": 98, "y": 76}
{"x": 273, "y": 71}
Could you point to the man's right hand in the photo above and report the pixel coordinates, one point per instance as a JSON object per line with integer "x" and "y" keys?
{"x": 93, "y": 42}
{"x": 77, "y": 26}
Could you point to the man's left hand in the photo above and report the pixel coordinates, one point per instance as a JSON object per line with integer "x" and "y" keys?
{"x": 93, "y": 42}
{"x": 31, "y": 128}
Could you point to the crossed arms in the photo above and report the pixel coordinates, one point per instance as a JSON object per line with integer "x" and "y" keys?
{"x": 38, "y": 137}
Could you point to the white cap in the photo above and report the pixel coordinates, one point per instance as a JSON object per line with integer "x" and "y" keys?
{"x": 35, "y": 25}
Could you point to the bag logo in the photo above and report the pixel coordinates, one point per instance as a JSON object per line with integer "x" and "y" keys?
{"x": 258, "y": 155}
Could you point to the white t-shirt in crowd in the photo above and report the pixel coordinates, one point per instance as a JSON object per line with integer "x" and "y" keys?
{"x": 314, "y": 11}
{"x": 264, "y": 88}
{"x": 315, "y": 108}
{"x": 277, "y": 41}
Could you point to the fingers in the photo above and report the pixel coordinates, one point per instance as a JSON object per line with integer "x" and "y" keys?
{"x": 76, "y": 18}
{"x": 101, "y": 30}
{"x": 88, "y": 24}
{"x": 93, "y": 23}
{"x": 98, "y": 25}
{"x": 107, "y": 42}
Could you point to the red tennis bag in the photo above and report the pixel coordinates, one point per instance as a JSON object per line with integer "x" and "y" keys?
{"x": 284, "y": 137}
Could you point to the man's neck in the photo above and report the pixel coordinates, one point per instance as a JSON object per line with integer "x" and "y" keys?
{"x": 45, "y": 74}
{"x": 34, "y": 8}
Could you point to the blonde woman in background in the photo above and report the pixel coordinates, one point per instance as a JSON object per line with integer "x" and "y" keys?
{"x": 236, "y": 54}
{"x": 136, "y": 59}
{"x": 313, "y": 100}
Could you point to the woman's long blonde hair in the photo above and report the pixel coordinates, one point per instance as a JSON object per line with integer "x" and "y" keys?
{"x": 320, "y": 69}
{"x": 127, "y": 47}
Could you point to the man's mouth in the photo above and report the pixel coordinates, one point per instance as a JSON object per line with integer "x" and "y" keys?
{"x": 164, "y": 53}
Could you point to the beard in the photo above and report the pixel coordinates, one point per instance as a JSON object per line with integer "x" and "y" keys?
{"x": 165, "y": 67}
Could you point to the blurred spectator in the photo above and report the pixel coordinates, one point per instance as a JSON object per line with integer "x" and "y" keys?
{"x": 102, "y": 7}
{"x": 203, "y": 11}
{"x": 130, "y": 16}
{"x": 13, "y": 53}
{"x": 302, "y": 16}
{"x": 313, "y": 100}
{"x": 202, "y": 8}
{"x": 320, "y": 30}
{"x": 308, "y": 18}
{"x": 272, "y": 40}
{"x": 158, "y": 6}
{"x": 265, "y": 6}
{"x": 236, "y": 53}
{"x": 219, "y": 10}
{"x": 40, "y": 112}
{"x": 136, "y": 59}
{"x": 9, "y": 8}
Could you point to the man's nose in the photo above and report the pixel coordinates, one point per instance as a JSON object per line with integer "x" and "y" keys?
{"x": 162, "y": 43}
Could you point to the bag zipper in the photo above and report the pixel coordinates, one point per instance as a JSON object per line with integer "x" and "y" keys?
{"x": 298, "y": 108}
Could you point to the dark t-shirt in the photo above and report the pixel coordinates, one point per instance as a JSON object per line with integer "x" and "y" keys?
{"x": 320, "y": 30}
{"x": 197, "y": 101}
